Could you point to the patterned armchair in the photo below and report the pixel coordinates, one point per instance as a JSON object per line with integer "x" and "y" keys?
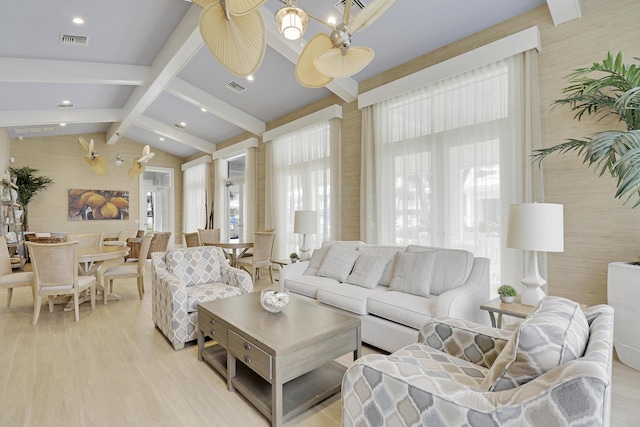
{"x": 555, "y": 369}
{"x": 183, "y": 278}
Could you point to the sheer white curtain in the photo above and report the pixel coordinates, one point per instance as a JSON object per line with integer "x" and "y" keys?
{"x": 303, "y": 170}
{"x": 441, "y": 164}
{"x": 194, "y": 194}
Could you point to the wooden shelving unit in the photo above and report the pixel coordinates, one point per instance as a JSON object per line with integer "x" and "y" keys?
{"x": 12, "y": 228}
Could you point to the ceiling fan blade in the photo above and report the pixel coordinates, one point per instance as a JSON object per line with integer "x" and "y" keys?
{"x": 306, "y": 73}
{"x": 91, "y": 145}
{"x": 347, "y": 12}
{"x": 146, "y": 150}
{"x": 333, "y": 63}
{"x": 242, "y": 7}
{"x": 84, "y": 143}
{"x": 370, "y": 14}
{"x": 98, "y": 165}
{"x": 136, "y": 169}
{"x": 238, "y": 43}
{"x": 204, "y": 3}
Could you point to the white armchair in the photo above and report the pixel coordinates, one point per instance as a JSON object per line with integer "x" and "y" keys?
{"x": 182, "y": 279}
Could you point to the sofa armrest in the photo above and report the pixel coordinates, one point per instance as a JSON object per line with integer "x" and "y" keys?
{"x": 464, "y": 301}
{"x": 465, "y": 340}
{"x": 291, "y": 270}
{"x": 237, "y": 278}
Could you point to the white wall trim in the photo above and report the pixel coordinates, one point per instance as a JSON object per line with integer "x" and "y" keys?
{"x": 331, "y": 112}
{"x": 487, "y": 54}
{"x": 235, "y": 148}
{"x": 196, "y": 162}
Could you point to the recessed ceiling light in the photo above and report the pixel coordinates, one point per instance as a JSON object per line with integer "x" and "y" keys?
{"x": 66, "y": 101}
{"x": 204, "y": 110}
{"x": 331, "y": 20}
{"x": 250, "y": 78}
{"x": 77, "y": 20}
{"x": 161, "y": 139}
{"x": 63, "y": 124}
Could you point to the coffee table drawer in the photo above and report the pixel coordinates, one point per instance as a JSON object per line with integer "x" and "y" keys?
{"x": 251, "y": 355}
{"x": 212, "y": 328}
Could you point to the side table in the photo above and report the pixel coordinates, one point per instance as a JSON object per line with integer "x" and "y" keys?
{"x": 515, "y": 309}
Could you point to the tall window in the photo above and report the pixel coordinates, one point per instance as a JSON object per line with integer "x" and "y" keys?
{"x": 445, "y": 168}
{"x": 195, "y": 196}
{"x": 305, "y": 177}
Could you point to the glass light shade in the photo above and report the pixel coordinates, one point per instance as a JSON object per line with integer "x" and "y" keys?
{"x": 292, "y": 22}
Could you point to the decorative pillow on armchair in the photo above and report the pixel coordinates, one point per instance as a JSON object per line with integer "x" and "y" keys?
{"x": 194, "y": 266}
{"x": 555, "y": 332}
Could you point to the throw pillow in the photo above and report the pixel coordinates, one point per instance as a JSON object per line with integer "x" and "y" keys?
{"x": 338, "y": 262}
{"x": 413, "y": 273}
{"x": 315, "y": 262}
{"x": 555, "y": 332}
{"x": 368, "y": 271}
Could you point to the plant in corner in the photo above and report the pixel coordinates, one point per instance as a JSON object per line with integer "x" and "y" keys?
{"x": 615, "y": 90}
{"x": 28, "y": 186}
{"x": 507, "y": 293}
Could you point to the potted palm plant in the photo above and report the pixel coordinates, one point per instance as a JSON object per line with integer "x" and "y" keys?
{"x": 610, "y": 87}
{"x": 29, "y": 184}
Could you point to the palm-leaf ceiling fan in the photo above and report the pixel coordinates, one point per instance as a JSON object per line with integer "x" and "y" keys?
{"x": 139, "y": 164}
{"x": 235, "y": 33}
{"x": 94, "y": 159}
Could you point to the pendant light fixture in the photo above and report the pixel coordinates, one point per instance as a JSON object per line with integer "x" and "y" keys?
{"x": 292, "y": 21}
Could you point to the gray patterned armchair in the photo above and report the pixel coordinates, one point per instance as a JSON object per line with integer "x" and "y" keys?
{"x": 183, "y": 278}
{"x": 554, "y": 370}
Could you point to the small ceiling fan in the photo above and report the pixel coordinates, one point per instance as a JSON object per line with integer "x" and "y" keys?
{"x": 235, "y": 33}
{"x": 94, "y": 159}
{"x": 139, "y": 164}
{"x": 331, "y": 56}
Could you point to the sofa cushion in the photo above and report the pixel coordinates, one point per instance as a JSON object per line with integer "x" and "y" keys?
{"x": 451, "y": 270}
{"x": 194, "y": 266}
{"x": 348, "y": 297}
{"x": 316, "y": 261}
{"x": 555, "y": 332}
{"x": 413, "y": 272}
{"x": 367, "y": 271}
{"x": 409, "y": 310}
{"x": 208, "y": 292}
{"x": 308, "y": 285}
{"x": 389, "y": 252}
{"x": 338, "y": 262}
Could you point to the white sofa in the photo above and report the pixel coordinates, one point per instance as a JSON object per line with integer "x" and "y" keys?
{"x": 393, "y": 290}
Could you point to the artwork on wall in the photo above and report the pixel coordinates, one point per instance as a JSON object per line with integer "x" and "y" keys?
{"x": 87, "y": 205}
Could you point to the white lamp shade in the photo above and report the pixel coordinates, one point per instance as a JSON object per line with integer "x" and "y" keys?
{"x": 536, "y": 227}
{"x": 305, "y": 222}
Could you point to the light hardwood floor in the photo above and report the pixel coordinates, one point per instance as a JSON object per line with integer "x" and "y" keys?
{"x": 113, "y": 368}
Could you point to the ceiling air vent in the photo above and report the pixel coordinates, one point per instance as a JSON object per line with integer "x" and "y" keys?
{"x": 65, "y": 106}
{"x": 236, "y": 87}
{"x": 356, "y": 7}
{"x": 72, "y": 40}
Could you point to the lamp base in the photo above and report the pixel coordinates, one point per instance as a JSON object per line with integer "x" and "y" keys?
{"x": 533, "y": 282}
{"x": 305, "y": 252}
{"x": 531, "y": 295}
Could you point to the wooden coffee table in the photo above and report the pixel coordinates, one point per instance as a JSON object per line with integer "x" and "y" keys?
{"x": 287, "y": 359}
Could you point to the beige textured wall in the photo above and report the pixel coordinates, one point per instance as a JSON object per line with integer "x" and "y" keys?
{"x": 62, "y": 160}
{"x": 5, "y": 149}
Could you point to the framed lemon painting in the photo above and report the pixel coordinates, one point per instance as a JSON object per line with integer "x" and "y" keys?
{"x": 89, "y": 205}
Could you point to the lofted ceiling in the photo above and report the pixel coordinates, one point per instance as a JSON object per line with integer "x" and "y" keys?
{"x": 144, "y": 68}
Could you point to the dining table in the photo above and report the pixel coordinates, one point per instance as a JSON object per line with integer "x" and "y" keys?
{"x": 92, "y": 260}
{"x": 232, "y": 248}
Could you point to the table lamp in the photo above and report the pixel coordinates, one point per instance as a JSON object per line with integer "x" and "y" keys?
{"x": 305, "y": 222}
{"x": 535, "y": 227}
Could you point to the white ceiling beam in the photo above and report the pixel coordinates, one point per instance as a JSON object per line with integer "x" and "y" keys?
{"x": 19, "y": 70}
{"x": 564, "y": 10}
{"x": 183, "y": 43}
{"x": 346, "y": 88}
{"x": 41, "y": 117}
{"x": 201, "y": 99}
{"x": 173, "y": 133}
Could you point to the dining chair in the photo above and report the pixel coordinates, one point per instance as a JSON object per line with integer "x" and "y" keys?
{"x": 86, "y": 239}
{"x": 55, "y": 270}
{"x": 209, "y": 235}
{"x": 122, "y": 238}
{"x": 9, "y": 279}
{"x": 263, "y": 244}
{"x": 191, "y": 239}
{"x": 128, "y": 270}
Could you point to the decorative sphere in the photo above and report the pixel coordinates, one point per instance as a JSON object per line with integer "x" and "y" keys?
{"x": 273, "y": 300}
